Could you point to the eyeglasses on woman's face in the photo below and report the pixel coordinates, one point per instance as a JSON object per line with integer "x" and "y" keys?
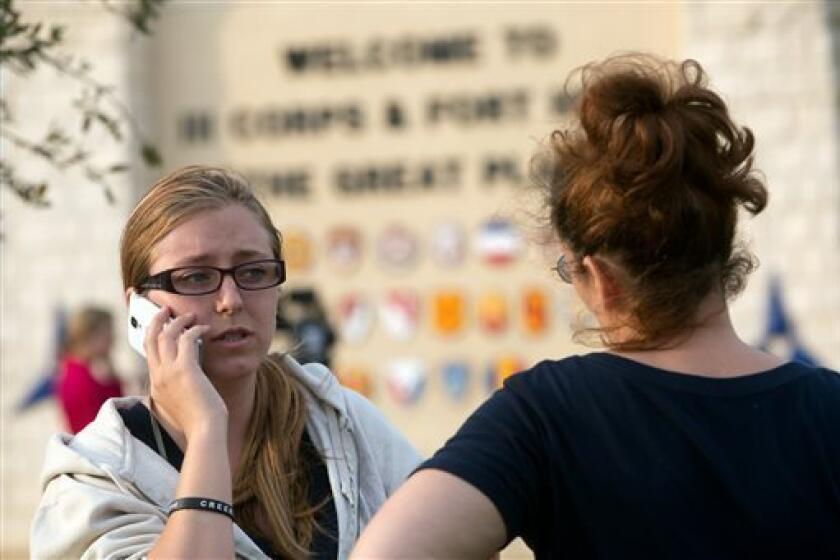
{"x": 201, "y": 280}
{"x": 562, "y": 270}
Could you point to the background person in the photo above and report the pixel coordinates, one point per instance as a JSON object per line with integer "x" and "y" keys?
{"x": 302, "y": 318}
{"x": 86, "y": 377}
{"x": 303, "y": 461}
{"x": 680, "y": 441}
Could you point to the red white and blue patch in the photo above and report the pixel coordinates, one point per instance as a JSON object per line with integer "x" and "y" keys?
{"x": 498, "y": 242}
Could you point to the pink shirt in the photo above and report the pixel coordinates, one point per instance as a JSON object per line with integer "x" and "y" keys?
{"x": 81, "y": 394}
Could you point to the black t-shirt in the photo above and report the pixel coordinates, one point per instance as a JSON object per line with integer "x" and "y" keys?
{"x": 599, "y": 456}
{"x": 324, "y": 540}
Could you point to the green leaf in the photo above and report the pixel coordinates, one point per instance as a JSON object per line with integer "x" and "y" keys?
{"x": 43, "y": 152}
{"x": 151, "y": 156}
{"x": 78, "y": 157}
{"x": 111, "y": 125}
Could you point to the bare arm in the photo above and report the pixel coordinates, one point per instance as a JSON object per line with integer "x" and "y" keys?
{"x": 183, "y": 395}
{"x": 434, "y": 515}
{"x": 205, "y": 472}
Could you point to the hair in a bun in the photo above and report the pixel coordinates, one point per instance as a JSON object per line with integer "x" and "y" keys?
{"x": 653, "y": 176}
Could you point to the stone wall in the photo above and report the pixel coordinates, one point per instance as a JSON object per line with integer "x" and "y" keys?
{"x": 776, "y": 67}
{"x": 65, "y": 255}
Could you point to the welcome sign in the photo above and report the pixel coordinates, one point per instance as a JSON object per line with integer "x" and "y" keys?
{"x": 365, "y": 127}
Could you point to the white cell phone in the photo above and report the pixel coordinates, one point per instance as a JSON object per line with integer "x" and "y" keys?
{"x": 141, "y": 311}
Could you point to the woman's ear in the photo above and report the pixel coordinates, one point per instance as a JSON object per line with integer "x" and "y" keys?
{"x": 604, "y": 289}
{"x": 128, "y": 292}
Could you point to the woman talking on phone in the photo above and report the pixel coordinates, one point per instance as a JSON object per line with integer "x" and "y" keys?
{"x": 236, "y": 451}
{"x": 680, "y": 440}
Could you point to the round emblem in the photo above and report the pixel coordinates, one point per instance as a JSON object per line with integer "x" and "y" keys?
{"x": 448, "y": 245}
{"x": 397, "y": 247}
{"x": 297, "y": 250}
{"x": 344, "y": 248}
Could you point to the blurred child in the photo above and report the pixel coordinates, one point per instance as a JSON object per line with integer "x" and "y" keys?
{"x": 86, "y": 376}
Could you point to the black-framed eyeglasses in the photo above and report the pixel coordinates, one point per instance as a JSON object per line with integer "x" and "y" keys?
{"x": 201, "y": 280}
{"x": 562, "y": 270}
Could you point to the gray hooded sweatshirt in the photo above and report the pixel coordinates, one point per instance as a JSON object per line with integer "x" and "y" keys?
{"x": 106, "y": 493}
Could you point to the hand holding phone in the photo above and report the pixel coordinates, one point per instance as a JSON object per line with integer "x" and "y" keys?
{"x": 141, "y": 311}
{"x": 180, "y": 393}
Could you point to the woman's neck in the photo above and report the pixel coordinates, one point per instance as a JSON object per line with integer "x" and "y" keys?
{"x": 713, "y": 349}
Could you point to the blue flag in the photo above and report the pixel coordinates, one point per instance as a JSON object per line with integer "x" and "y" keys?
{"x": 780, "y": 330}
{"x": 44, "y": 386}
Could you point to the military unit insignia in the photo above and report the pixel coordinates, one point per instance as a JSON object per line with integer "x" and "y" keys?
{"x": 405, "y": 379}
{"x": 501, "y": 368}
{"x": 344, "y": 248}
{"x": 448, "y": 244}
{"x": 534, "y": 311}
{"x": 298, "y": 252}
{"x": 397, "y": 247}
{"x": 497, "y": 242}
{"x": 356, "y": 378}
{"x": 455, "y": 377}
{"x": 448, "y": 312}
{"x": 492, "y": 312}
{"x": 399, "y": 313}
{"x": 400, "y": 310}
{"x": 355, "y": 318}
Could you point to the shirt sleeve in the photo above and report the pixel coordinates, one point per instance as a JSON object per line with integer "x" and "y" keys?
{"x": 498, "y": 451}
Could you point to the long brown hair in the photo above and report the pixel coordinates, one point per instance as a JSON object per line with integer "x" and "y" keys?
{"x": 651, "y": 175}
{"x": 271, "y": 486}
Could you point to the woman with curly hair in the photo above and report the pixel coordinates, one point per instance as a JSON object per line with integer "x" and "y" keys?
{"x": 678, "y": 441}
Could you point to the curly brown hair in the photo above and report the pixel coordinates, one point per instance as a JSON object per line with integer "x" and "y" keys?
{"x": 651, "y": 175}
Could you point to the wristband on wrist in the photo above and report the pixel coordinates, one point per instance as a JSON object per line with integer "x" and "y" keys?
{"x": 202, "y": 504}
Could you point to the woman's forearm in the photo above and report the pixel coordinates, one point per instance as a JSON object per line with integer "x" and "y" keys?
{"x": 205, "y": 473}
{"x": 433, "y": 515}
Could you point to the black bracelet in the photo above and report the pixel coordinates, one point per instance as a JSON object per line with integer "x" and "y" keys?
{"x": 203, "y": 504}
